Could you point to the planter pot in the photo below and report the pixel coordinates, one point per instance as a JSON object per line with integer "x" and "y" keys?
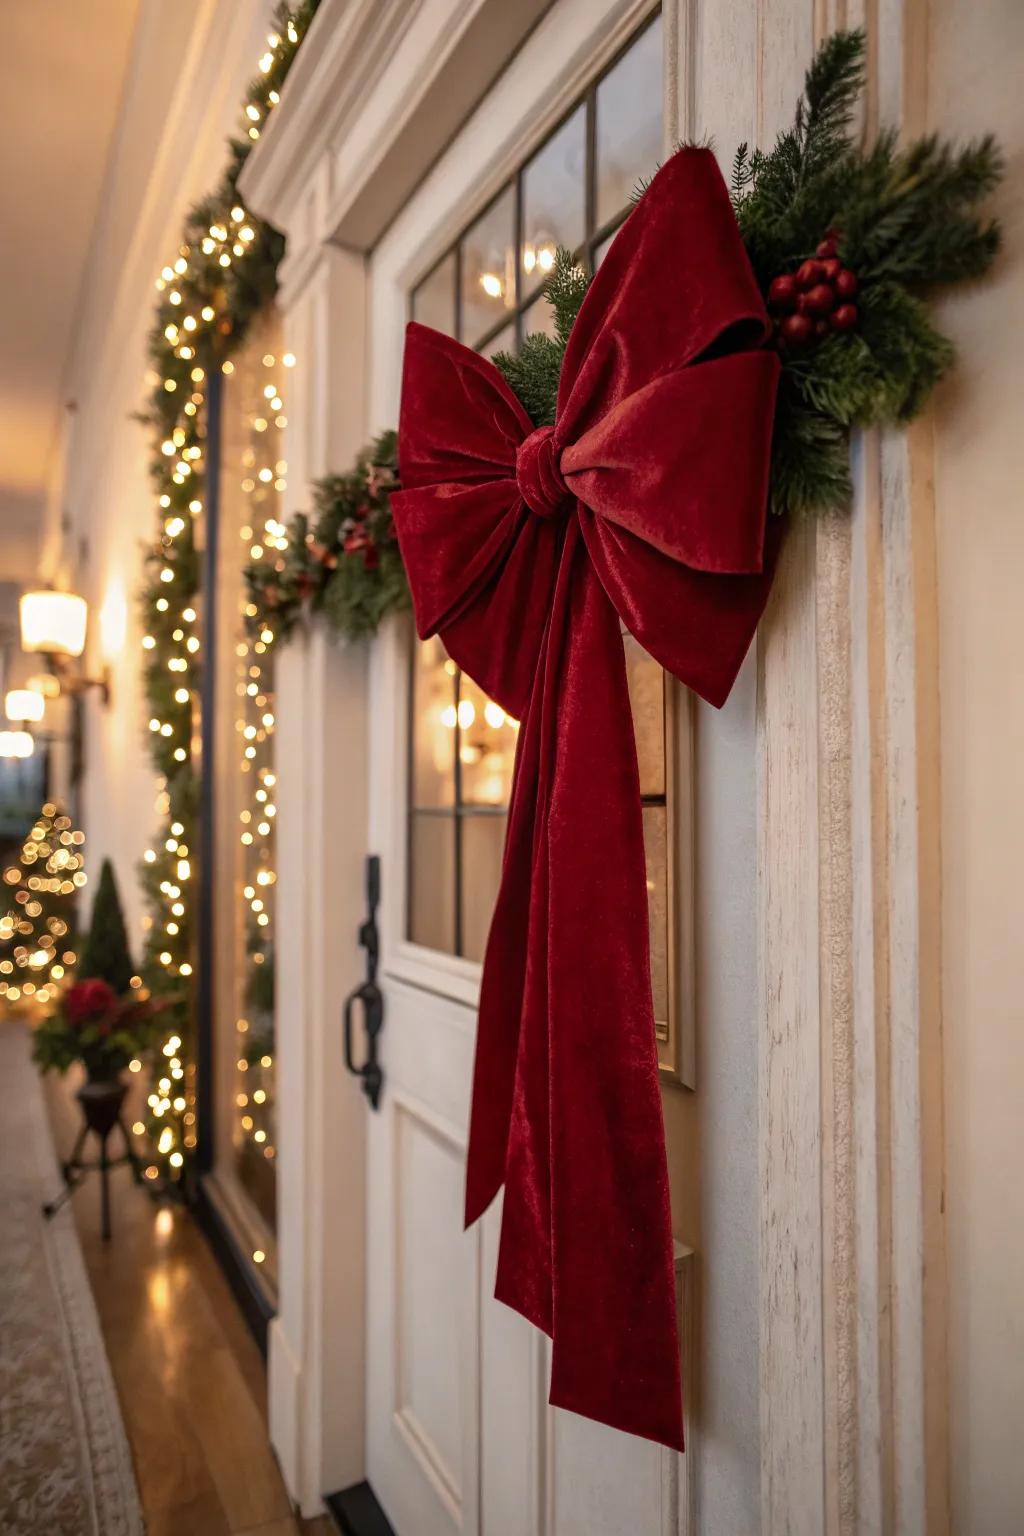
{"x": 101, "y": 1101}
{"x": 101, "y": 1104}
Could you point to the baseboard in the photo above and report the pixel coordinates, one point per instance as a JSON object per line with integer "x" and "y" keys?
{"x": 355, "y": 1512}
{"x": 256, "y": 1306}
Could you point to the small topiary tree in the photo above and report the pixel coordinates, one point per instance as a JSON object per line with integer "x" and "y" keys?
{"x": 106, "y": 956}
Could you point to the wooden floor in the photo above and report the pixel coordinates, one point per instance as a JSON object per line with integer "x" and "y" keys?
{"x": 189, "y": 1375}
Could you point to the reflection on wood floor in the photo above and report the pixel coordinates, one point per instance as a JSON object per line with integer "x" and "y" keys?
{"x": 191, "y": 1380}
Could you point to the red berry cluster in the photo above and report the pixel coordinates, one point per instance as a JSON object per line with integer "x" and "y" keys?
{"x": 815, "y": 299}
{"x": 358, "y": 540}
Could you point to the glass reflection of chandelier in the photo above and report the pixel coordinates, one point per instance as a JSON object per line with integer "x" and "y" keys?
{"x": 498, "y": 279}
{"x": 539, "y": 255}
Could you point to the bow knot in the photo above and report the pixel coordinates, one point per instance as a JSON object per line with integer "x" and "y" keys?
{"x": 538, "y": 476}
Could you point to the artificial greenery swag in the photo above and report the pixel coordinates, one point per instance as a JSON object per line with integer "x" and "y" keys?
{"x": 342, "y": 561}
{"x": 846, "y": 241}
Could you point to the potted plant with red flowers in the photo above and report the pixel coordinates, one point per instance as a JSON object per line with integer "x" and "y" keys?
{"x": 91, "y": 1024}
{"x": 105, "y": 1020}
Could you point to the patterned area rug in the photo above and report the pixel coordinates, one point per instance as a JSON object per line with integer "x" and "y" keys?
{"x": 65, "y": 1466}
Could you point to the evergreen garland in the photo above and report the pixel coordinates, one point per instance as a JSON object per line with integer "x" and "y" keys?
{"x": 343, "y": 561}
{"x": 533, "y": 373}
{"x": 223, "y": 274}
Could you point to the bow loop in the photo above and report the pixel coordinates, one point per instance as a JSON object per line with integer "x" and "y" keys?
{"x": 539, "y": 477}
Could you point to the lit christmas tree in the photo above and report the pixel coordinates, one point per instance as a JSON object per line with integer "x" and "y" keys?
{"x": 36, "y": 933}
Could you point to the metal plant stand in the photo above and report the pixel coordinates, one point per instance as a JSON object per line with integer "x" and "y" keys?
{"x": 101, "y": 1108}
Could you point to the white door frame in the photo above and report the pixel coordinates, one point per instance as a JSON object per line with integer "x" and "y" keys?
{"x": 852, "y": 1261}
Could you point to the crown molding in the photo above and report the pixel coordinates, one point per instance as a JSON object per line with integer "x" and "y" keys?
{"x": 376, "y": 93}
{"x": 342, "y": 58}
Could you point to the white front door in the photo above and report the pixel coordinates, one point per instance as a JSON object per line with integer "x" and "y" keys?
{"x": 459, "y": 1435}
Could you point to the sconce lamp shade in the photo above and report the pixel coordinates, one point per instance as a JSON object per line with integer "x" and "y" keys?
{"x": 16, "y": 744}
{"x": 53, "y": 622}
{"x": 24, "y": 704}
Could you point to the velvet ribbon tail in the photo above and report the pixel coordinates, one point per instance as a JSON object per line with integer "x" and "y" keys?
{"x": 586, "y": 1248}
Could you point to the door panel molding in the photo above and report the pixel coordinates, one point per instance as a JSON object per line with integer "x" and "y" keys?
{"x": 411, "y": 1116}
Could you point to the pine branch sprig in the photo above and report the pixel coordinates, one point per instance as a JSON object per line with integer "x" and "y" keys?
{"x": 533, "y": 372}
{"x": 903, "y": 220}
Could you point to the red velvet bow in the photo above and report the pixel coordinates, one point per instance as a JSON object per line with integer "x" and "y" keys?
{"x": 524, "y": 548}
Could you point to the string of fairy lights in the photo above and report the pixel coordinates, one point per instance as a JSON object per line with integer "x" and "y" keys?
{"x": 264, "y": 537}
{"x": 36, "y": 945}
{"x": 221, "y": 276}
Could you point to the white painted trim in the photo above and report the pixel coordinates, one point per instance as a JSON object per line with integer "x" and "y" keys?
{"x": 351, "y": 42}
{"x": 317, "y": 1346}
{"x": 552, "y": 70}
{"x": 284, "y": 1376}
{"x": 852, "y": 1262}
{"x": 386, "y": 87}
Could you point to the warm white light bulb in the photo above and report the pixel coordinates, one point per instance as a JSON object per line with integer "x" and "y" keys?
{"x": 16, "y": 744}
{"x": 53, "y": 622}
{"x": 24, "y": 704}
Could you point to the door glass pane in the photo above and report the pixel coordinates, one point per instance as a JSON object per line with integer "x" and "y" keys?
{"x": 539, "y": 318}
{"x": 505, "y": 341}
{"x": 488, "y": 269}
{"x": 487, "y": 747}
{"x": 433, "y": 302}
{"x": 629, "y": 123}
{"x": 646, "y": 681}
{"x": 656, "y": 852}
{"x": 483, "y": 843}
{"x": 601, "y": 251}
{"x": 433, "y": 732}
{"x": 553, "y": 200}
{"x": 432, "y": 880}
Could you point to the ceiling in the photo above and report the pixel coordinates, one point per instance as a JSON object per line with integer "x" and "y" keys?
{"x": 65, "y": 66}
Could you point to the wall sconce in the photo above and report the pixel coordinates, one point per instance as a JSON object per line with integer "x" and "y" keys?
{"x": 55, "y": 624}
{"x": 16, "y": 744}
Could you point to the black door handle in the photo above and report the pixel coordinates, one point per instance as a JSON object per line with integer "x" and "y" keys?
{"x": 368, "y": 994}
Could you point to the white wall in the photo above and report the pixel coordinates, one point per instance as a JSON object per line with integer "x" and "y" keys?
{"x": 190, "y": 63}
{"x": 976, "y": 51}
